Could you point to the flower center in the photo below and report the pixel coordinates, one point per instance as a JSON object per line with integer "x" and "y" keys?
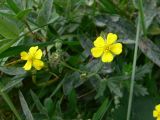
{"x": 31, "y": 58}
{"x": 107, "y": 47}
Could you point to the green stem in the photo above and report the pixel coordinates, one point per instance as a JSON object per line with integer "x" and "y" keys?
{"x": 70, "y": 67}
{"x": 14, "y": 62}
{"x": 57, "y": 88}
{"x": 141, "y": 13}
{"x": 9, "y": 102}
{"x": 133, "y": 70}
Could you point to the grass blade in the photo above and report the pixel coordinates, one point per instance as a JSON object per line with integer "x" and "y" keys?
{"x": 102, "y": 110}
{"x": 25, "y": 107}
{"x": 141, "y": 13}
{"x": 9, "y": 102}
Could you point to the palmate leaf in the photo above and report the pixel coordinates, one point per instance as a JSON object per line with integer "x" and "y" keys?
{"x": 141, "y": 71}
{"x": 139, "y": 90}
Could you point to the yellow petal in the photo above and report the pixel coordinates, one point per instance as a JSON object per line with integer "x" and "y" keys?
{"x": 27, "y": 66}
{"x": 38, "y": 64}
{"x": 24, "y": 55}
{"x": 111, "y": 38}
{"x": 158, "y": 118}
{"x": 33, "y": 50}
{"x": 38, "y": 54}
{"x": 99, "y": 42}
{"x": 107, "y": 57}
{"x": 155, "y": 113}
{"x": 116, "y": 48}
{"x": 157, "y": 107}
{"x": 96, "y": 52}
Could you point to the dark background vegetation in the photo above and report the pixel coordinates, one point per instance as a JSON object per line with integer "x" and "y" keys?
{"x": 73, "y": 85}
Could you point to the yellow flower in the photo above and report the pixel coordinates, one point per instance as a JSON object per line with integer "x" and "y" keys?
{"x": 33, "y": 58}
{"x": 156, "y": 112}
{"x": 106, "y": 48}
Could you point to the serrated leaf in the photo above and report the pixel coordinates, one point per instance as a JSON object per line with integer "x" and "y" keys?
{"x": 12, "y": 70}
{"x": 101, "y": 89}
{"x": 71, "y": 81}
{"x": 117, "y": 24}
{"x": 25, "y": 107}
{"x": 94, "y": 66}
{"x": 8, "y": 28}
{"x": 45, "y": 12}
{"x": 140, "y": 90}
{"x": 150, "y": 11}
{"x": 114, "y": 84}
{"x": 151, "y": 50}
{"x": 143, "y": 70}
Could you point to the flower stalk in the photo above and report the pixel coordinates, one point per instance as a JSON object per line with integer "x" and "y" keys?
{"x": 133, "y": 70}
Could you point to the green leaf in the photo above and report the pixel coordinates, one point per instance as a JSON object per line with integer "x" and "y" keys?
{"x": 140, "y": 90}
{"x": 9, "y": 102}
{"x": 150, "y": 11}
{"x": 71, "y": 81}
{"x": 23, "y": 14}
{"x": 25, "y": 107}
{"x": 13, "y": 6}
{"x": 143, "y": 70}
{"x": 8, "y": 28}
{"x": 72, "y": 98}
{"x": 101, "y": 89}
{"x": 101, "y": 111}
{"x": 151, "y": 50}
{"x": 36, "y": 100}
{"x": 114, "y": 84}
{"x": 5, "y": 44}
{"x": 12, "y": 51}
{"x": 45, "y": 12}
{"x": 12, "y": 70}
{"x": 15, "y": 81}
{"x": 107, "y": 6}
{"x": 49, "y": 105}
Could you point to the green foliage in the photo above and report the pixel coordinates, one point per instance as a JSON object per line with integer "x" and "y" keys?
{"x": 73, "y": 84}
{"x": 101, "y": 111}
{"x": 25, "y": 107}
{"x": 8, "y": 28}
